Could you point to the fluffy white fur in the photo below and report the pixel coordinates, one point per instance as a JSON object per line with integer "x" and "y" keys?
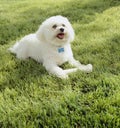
{"x": 50, "y": 45}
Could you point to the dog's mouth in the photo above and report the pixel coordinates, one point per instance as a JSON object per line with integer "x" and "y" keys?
{"x": 60, "y": 35}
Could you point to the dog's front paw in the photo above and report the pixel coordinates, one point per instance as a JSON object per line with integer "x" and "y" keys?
{"x": 86, "y": 68}
{"x": 63, "y": 76}
{"x": 89, "y": 68}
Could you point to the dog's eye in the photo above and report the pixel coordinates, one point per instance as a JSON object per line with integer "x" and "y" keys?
{"x": 54, "y": 26}
{"x": 63, "y": 25}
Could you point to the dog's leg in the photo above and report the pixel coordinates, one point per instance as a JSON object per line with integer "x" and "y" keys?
{"x": 86, "y": 68}
{"x": 56, "y": 70}
{"x": 19, "y": 50}
{"x": 68, "y": 71}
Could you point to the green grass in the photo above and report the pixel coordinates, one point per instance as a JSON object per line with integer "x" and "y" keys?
{"x": 31, "y": 98}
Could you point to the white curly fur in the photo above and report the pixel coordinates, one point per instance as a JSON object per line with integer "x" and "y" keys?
{"x": 50, "y": 45}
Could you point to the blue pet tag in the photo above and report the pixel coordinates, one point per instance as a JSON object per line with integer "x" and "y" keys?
{"x": 60, "y": 50}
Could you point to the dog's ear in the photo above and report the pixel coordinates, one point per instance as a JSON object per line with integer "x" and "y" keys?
{"x": 40, "y": 34}
{"x": 71, "y": 30}
{"x": 72, "y": 34}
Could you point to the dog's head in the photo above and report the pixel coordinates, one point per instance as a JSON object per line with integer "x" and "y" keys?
{"x": 56, "y": 30}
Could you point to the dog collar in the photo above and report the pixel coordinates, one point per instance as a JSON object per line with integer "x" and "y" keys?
{"x": 61, "y": 50}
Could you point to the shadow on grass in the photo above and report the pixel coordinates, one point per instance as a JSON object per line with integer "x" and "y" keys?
{"x": 22, "y": 73}
{"x": 84, "y": 12}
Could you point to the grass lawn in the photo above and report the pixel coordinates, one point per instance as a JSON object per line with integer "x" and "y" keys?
{"x": 31, "y": 98}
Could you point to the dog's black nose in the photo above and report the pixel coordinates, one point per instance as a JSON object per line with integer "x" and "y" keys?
{"x": 62, "y": 29}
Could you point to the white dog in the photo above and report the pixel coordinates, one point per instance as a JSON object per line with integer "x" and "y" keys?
{"x": 50, "y": 45}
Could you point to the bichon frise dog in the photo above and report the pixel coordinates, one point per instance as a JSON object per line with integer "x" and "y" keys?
{"x": 50, "y": 45}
